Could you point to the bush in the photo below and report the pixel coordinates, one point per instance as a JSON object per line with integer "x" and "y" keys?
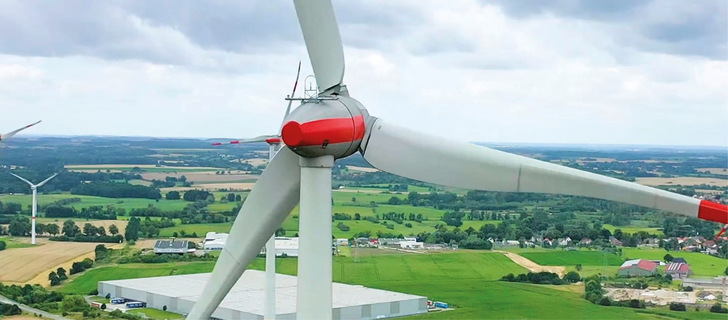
{"x": 718, "y": 308}
{"x": 94, "y": 292}
{"x": 3, "y": 245}
{"x": 676, "y": 306}
{"x": 9, "y": 310}
{"x": 605, "y": 301}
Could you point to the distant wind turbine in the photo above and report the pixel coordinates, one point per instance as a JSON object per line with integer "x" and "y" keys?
{"x": 34, "y": 187}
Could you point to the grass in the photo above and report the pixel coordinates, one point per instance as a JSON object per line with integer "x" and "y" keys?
{"x": 572, "y": 258}
{"x": 12, "y": 243}
{"x": 155, "y": 314}
{"x": 702, "y": 264}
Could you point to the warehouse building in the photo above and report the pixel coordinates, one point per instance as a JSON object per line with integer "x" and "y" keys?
{"x": 171, "y": 246}
{"x": 245, "y": 300}
{"x": 214, "y": 241}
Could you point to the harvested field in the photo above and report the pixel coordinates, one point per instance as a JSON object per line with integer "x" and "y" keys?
{"x": 213, "y": 186}
{"x": 203, "y": 176}
{"x": 532, "y": 266}
{"x": 21, "y": 265}
{"x": 709, "y": 191}
{"x": 362, "y": 169}
{"x": 256, "y": 161}
{"x": 142, "y": 166}
{"x": 685, "y": 181}
{"x": 121, "y": 224}
{"x": 713, "y": 170}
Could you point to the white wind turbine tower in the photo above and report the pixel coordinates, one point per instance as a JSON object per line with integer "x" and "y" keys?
{"x": 274, "y": 144}
{"x": 334, "y": 125}
{"x": 12, "y": 133}
{"x": 34, "y": 209}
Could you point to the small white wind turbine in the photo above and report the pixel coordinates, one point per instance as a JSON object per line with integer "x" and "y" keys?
{"x": 34, "y": 187}
{"x": 274, "y": 144}
{"x": 12, "y": 133}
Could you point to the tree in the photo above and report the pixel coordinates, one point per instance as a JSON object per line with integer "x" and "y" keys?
{"x": 113, "y": 229}
{"x": 230, "y": 197}
{"x": 19, "y": 227}
{"x": 53, "y": 229}
{"x": 103, "y": 306}
{"x": 2, "y": 245}
{"x": 238, "y": 198}
{"x": 89, "y": 230}
{"x": 132, "y": 229}
{"x": 726, "y": 271}
{"x": 668, "y": 257}
{"x": 61, "y": 273}
{"x": 676, "y": 306}
{"x": 718, "y": 308}
{"x": 572, "y": 277}
{"x": 70, "y": 229}
{"x": 172, "y": 195}
{"x": 53, "y": 277}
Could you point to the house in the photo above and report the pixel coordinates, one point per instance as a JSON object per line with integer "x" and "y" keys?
{"x": 171, "y": 246}
{"x": 342, "y": 242}
{"x": 615, "y": 242}
{"x": 411, "y": 245}
{"x": 678, "y": 270}
{"x": 565, "y": 242}
{"x": 710, "y": 247}
{"x": 585, "y": 242}
{"x": 637, "y": 268}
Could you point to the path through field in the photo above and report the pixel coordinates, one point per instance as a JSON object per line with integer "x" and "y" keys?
{"x": 532, "y": 266}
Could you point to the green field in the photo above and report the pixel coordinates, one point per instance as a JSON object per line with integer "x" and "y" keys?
{"x": 13, "y": 243}
{"x": 633, "y": 229}
{"x": 465, "y": 279}
{"x": 572, "y": 258}
{"x": 155, "y": 314}
{"x": 702, "y": 264}
{"x": 114, "y": 168}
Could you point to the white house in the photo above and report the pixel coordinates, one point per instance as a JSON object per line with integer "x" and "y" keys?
{"x": 285, "y": 245}
{"x": 411, "y": 245}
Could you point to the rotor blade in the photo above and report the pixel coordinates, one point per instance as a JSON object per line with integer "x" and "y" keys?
{"x": 46, "y": 180}
{"x": 274, "y": 196}
{"x": 251, "y": 140}
{"x": 21, "y": 178}
{"x": 12, "y": 133}
{"x": 323, "y": 41}
{"x": 293, "y": 93}
{"x": 427, "y": 158}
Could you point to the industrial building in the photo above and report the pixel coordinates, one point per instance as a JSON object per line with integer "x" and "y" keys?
{"x": 171, "y": 246}
{"x": 245, "y": 300}
{"x": 214, "y": 241}
{"x": 637, "y": 268}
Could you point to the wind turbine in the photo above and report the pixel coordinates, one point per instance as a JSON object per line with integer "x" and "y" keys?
{"x": 12, "y": 133}
{"x": 274, "y": 144}
{"x": 334, "y": 125}
{"x": 34, "y": 187}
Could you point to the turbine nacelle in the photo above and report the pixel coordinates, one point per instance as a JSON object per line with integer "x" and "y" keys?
{"x": 327, "y": 125}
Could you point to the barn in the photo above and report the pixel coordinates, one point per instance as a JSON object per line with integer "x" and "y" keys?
{"x": 245, "y": 300}
{"x": 637, "y": 268}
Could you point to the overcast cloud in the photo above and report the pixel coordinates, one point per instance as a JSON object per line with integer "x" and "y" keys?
{"x": 565, "y": 71}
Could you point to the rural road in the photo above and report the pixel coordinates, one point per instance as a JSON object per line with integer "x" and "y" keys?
{"x": 532, "y": 266}
{"x": 33, "y": 310}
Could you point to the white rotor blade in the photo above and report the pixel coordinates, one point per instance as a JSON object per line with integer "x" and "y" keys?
{"x": 274, "y": 196}
{"x": 451, "y": 163}
{"x": 21, "y": 178}
{"x": 46, "y": 180}
{"x": 12, "y": 133}
{"x": 323, "y": 41}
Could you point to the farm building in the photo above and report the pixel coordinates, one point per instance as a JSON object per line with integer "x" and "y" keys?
{"x": 411, "y": 245}
{"x": 284, "y": 245}
{"x": 214, "y": 241}
{"x": 170, "y": 246}
{"x": 678, "y": 270}
{"x": 245, "y": 300}
{"x": 637, "y": 268}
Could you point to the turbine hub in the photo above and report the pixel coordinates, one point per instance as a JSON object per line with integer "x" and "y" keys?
{"x": 328, "y": 125}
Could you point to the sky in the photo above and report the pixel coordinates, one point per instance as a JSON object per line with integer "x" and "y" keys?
{"x": 563, "y": 71}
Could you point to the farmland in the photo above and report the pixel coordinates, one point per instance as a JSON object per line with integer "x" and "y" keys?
{"x": 683, "y": 181}
{"x": 20, "y": 265}
{"x": 466, "y": 279}
{"x": 572, "y": 258}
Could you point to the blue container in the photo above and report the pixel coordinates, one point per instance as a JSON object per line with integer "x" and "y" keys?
{"x": 442, "y": 305}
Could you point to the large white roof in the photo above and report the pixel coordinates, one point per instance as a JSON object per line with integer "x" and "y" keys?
{"x": 248, "y": 293}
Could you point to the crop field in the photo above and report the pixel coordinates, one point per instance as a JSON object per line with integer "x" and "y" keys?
{"x": 21, "y": 265}
{"x": 701, "y": 264}
{"x": 684, "y": 181}
{"x": 713, "y": 170}
{"x": 466, "y": 280}
{"x": 572, "y": 258}
{"x": 125, "y": 203}
{"x": 129, "y": 167}
{"x": 213, "y": 187}
{"x": 203, "y": 176}
{"x": 121, "y": 224}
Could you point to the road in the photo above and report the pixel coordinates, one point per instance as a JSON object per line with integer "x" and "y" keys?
{"x": 33, "y": 310}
